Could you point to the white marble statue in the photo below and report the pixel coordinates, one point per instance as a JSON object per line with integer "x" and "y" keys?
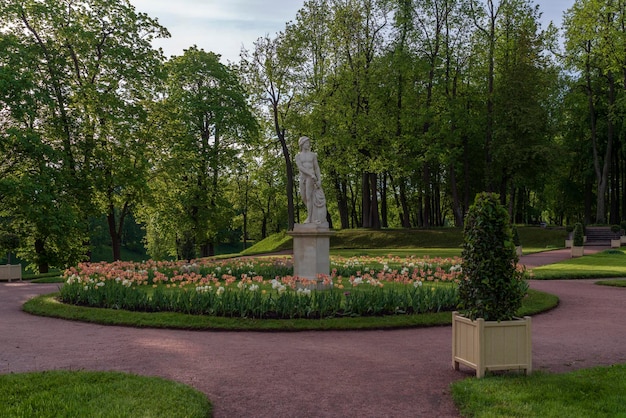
{"x": 311, "y": 183}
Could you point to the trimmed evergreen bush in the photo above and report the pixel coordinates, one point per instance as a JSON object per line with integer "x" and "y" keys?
{"x": 516, "y": 240}
{"x": 492, "y": 287}
{"x": 579, "y": 235}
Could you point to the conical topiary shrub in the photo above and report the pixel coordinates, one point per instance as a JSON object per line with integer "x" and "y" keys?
{"x": 492, "y": 287}
{"x": 579, "y": 235}
{"x": 516, "y": 240}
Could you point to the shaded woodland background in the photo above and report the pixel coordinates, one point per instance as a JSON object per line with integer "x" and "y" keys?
{"x": 412, "y": 106}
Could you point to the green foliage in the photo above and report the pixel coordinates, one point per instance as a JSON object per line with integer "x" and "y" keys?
{"x": 615, "y": 229}
{"x": 89, "y": 115}
{"x": 593, "y": 34}
{"x": 201, "y": 126}
{"x": 9, "y": 242}
{"x": 492, "y": 287}
{"x": 98, "y": 394}
{"x": 48, "y": 305}
{"x": 596, "y": 392}
{"x": 79, "y": 73}
{"x": 247, "y": 303}
{"x": 579, "y": 235}
{"x": 516, "y": 240}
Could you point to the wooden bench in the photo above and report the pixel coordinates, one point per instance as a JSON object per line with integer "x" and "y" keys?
{"x": 10, "y": 272}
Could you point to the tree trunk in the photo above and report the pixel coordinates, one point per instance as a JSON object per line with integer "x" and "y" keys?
{"x": 366, "y": 201}
{"x": 115, "y": 229}
{"x": 383, "y": 202}
{"x": 342, "y": 200}
{"x": 40, "y": 250}
{"x": 614, "y": 216}
{"x": 426, "y": 206}
{"x": 289, "y": 170}
{"x": 602, "y": 173}
{"x": 207, "y": 249}
{"x": 588, "y": 201}
{"x": 374, "y": 214}
{"x": 457, "y": 210}
{"x": 116, "y": 239}
{"x": 406, "y": 211}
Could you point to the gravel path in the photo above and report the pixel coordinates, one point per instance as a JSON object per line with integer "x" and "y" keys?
{"x": 398, "y": 373}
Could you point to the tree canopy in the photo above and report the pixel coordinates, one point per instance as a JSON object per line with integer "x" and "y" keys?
{"x": 413, "y": 107}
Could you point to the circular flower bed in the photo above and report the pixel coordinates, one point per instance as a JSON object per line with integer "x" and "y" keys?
{"x": 264, "y": 287}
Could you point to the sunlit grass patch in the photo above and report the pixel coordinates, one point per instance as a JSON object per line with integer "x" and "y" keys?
{"x": 612, "y": 283}
{"x": 609, "y": 263}
{"x": 596, "y": 392}
{"x": 97, "y": 394}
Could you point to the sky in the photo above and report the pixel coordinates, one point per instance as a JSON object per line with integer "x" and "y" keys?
{"x": 225, "y": 26}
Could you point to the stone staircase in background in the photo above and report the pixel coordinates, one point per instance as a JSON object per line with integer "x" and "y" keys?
{"x": 599, "y": 235}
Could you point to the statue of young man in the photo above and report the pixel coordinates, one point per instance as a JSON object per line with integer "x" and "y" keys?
{"x": 310, "y": 183}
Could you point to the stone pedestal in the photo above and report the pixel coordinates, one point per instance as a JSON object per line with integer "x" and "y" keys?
{"x": 311, "y": 251}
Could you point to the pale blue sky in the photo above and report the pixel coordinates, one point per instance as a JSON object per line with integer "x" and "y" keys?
{"x": 224, "y": 26}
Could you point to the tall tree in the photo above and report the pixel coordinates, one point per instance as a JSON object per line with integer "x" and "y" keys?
{"x": 522, "y": 136}
{"x": 269, "y": 74}
{"x": 486, "y": 19}
{"x": 93, "y": 63}
{"x": 595, "y": 33}
{"x": 207, "y": 122}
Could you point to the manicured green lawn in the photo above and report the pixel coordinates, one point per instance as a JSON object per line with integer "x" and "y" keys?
{"x": 97, "y": 394}
{"x": 609, "y": 263}
{"x": 533, "y": 250}
{"x": 596, "y": 392}
{"x": 613, "y": 283}
{"x": 404, "y": 252}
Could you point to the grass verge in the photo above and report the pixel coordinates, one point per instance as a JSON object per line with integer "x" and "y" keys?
{"x": 98, "y": 394}
{"x": 404, "y": 252}
{"x": 613, "y": 283}
{"x": 47, "y": 305}
{"x": 609, "y": 263}
{"x": 596, "y": 392}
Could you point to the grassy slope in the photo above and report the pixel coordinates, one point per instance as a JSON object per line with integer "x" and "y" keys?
{"x": 449, "y": 238}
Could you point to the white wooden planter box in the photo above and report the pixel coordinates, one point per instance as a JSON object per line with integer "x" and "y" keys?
{"x": 616, "y": 243}
{"x": 578, "y": 251}
{"x": 491, "y": 345}
{"x": 10, "y": 272}
{"x": 518, "y": 250}
{"x": 623, "y": 239}
{"x": 569, "y": 243}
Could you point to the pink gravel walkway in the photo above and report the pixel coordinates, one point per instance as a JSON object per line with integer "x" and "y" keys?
{"x": 398, "y": 373}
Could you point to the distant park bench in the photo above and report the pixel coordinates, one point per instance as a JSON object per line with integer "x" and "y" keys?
{"x": 10, "y": 272}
